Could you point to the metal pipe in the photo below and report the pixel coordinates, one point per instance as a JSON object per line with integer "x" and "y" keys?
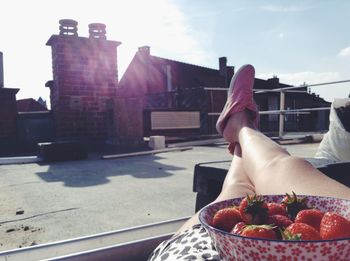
{"x": 294, "y": 111}
{"x": 1, "y": 71}
{"x": 215, "y": 89}
{"x": 281, "y": 119}
{"x": 325, "y": 83}
{"x": 285, "y": 112}
{"x": 168, "y": 78}
{"x": 309, "y": 85}
{"x": 267, "y": 112}
{"x": 258, "y": 91}
{"x": 88, "y": 243}
{"x": 307, "y": 109}
{"x": 254, "y": 90}
{"x": 279, "y": 89}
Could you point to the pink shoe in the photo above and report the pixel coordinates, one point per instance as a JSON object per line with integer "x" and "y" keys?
{"x": 239, "y": 97}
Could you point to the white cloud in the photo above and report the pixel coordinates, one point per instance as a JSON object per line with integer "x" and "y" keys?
{"x": 299, "y": 78}
{"x": 283, "y": 9}
{"x": 215, "y": 12}
{"x": 345, "y": 52}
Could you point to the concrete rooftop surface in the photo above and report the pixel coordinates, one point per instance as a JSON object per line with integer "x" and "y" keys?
{"x": 43, "y": 203}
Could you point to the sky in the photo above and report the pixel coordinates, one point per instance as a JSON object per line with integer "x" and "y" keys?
{"x": 297, "y": 41}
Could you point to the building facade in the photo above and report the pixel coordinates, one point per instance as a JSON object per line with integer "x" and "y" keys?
{"x": 163, "y": 85}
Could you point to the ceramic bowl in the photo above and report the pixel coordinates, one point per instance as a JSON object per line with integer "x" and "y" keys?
{"x": 235, "y": 247}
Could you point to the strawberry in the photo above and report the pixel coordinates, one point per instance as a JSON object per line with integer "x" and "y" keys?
{"x": 237, "y": 229}
{"x": 253, "y": 210}
{"x": 311, "y": 217}
{"x": 226, "y": 218}
{"x": 259, "y": 231}
{"x": 279, "y": 221}
{"x": 300, "y": 231}
{"x": 293, "y": 204}
{"x": 334, "y": 226}
{"x": 276, "y": 209}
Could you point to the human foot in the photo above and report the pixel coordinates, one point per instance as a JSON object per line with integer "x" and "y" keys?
{"x": 234, "y": 124}
{"x": 239, "y": 97}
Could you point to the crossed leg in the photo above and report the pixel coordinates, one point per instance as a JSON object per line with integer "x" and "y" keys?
{"x": 261, "y": 166}
{"x": 272, "y": 169}
{"x": 236, "y": 184}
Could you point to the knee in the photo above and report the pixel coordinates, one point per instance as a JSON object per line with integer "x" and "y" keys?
{"x": 287, "y": 163}
{"x": 276, "y": 161}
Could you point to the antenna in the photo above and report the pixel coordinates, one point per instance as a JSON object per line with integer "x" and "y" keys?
{"x": 1, "y": 71}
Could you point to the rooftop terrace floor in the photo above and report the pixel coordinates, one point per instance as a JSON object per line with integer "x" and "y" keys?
{"x": 77, "y": 198}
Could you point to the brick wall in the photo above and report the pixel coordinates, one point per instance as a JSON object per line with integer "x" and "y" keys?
{"x": 8, "y": 113}
{"x": 85, "y": 78}
{"x": 128, "y": 115}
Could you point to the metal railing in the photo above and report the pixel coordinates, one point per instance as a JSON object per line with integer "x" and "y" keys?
{"x": 141, "y": 239}
{"x": 282, "y": 111}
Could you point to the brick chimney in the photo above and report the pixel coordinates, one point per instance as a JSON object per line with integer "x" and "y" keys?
{"x": 85, "y": 78}
{"x": 223, "y": 68}
{"x": 225, "y": 71}
{"x": 273, "y": 82}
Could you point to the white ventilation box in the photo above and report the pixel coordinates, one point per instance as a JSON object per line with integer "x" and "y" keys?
{"x": 157, "y": 142}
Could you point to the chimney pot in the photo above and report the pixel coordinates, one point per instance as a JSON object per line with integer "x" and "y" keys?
{"x": 68, "y": 27}
{"x": 97, "y": 31}
{"x": 145, "y": 50}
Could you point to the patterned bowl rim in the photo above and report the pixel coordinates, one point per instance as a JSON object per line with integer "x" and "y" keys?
{"x": 209, "y": 227}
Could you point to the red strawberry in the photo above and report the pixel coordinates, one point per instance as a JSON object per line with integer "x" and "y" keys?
{"x": 276, "y": 209}
{"x": 300, "y": 231}
{"x": 226, "y": 218}
{"x": 334, "y": 226}
{"x": 259, "y": 231}
{"x": 279, "y": 221}
{"x": 294, "y": 204}
{"x": 253, "y": 210}
{"x": 311, "y": 217}
{"x": 238, "y": 228}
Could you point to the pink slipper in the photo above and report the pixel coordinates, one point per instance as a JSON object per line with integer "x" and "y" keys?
{"x": 239, "y": 97}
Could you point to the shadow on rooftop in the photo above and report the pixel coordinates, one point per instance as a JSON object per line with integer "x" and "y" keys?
{"x": 87, "y": 173}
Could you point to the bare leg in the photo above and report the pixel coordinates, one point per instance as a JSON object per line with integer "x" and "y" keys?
{"x": 271, "y": 169}
{"x": 236, "y": 184}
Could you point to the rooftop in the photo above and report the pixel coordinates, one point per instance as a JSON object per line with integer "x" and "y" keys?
{"x": 78, "y": 198}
